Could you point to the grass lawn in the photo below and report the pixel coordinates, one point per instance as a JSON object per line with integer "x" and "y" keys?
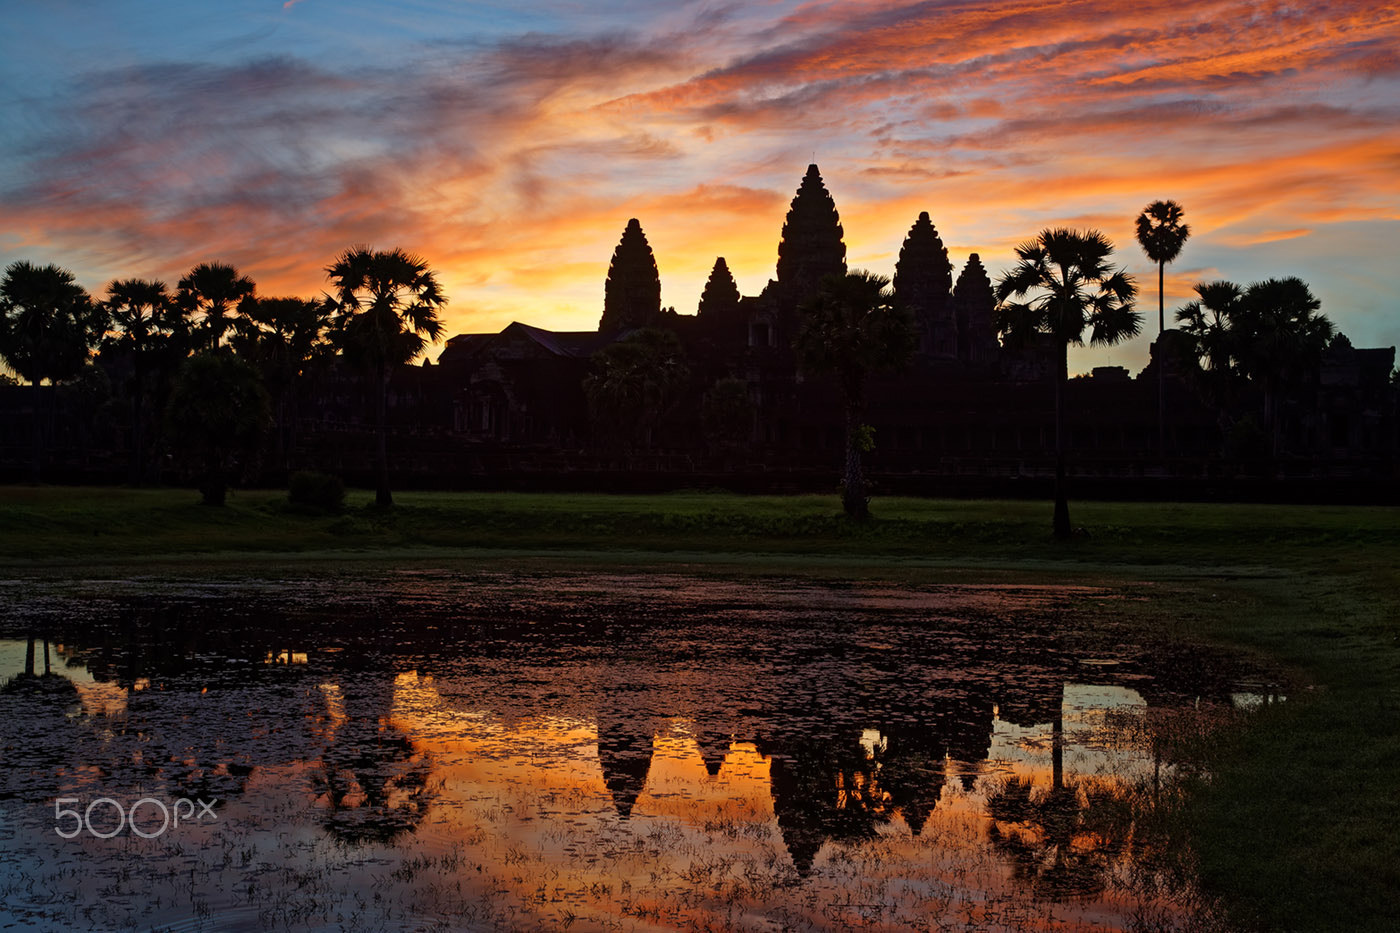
{"x": 1296, "y": 829}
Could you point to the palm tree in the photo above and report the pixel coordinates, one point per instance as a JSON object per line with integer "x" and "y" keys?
{"x": 145, "y": 323}
{"x": 852, "y": 327}
{"x": 1161, "y": 234}
{"x": 1278, "y": 339}
{"x": 48, "y": 325}
{"x": 213, "y": 290}
{"x": 1210, "y": 320}
{"x": 1073, "y": 287}
{"x": 388, "y": 303}
{"x": 283, "y": 336}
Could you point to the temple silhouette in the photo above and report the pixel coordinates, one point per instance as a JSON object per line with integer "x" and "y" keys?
{"x": 968, "y": 414}
{"x": 965, "y": 407}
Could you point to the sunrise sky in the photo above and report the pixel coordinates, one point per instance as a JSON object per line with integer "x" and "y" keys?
{"x": 509, "y": 143}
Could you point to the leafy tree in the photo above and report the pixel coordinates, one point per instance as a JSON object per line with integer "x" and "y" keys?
{"x": 850, "y": 328}
{"x": 1071, "y": 287}
{"x": 1210, "y": 320}
{"x": 1161, "y": 234}
{"x": 1278, "y": 339}
{"x": 213, "y": 291}
{"x": 218, "y": 414}
{"x": 284, "y": 337}
{"x": 387, "y": 304}
{"x": 151, "y": 333}
{"x": 633, "y": 383}
{"x": 48, "y": 326}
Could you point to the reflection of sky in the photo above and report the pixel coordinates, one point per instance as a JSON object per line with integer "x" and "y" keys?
{"x": 509, "y": 143}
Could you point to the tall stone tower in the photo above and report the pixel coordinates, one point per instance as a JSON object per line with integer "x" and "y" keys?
{"x": 811, "y": 246}
{"x": 974, "y": 306}
{"x": 632, "y": 295}
{"x": 923, "y": 281}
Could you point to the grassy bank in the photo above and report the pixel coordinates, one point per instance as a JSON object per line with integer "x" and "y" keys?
{"x": 1295, "y": 831}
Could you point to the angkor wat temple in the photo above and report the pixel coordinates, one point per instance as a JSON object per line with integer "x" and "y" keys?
{"x": 966, "y": 415}
{"x": 964, "y": 407}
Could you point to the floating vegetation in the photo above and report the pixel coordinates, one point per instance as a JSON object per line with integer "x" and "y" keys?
{"x": 438, "y": 750}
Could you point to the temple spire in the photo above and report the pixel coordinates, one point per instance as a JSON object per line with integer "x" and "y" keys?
{"x": 811, "y": 246}
{"x": 632, "y": 294}
{"x": 923, "y": 281}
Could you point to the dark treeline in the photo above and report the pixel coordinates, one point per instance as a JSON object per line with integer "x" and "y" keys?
{"x": 927, "y": 372}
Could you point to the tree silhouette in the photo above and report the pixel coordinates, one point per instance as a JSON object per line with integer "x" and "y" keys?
{"x": 923, "y": 283}
{"x": 1278, "y": 339}
{"x": 633, "y": 383}
{"x": 48, "y": 325}
{"x": 218, "y": 413}
{"x": 388, "y": 304}
{"x": 1161, "y": 234}
{"x": 283, "y": 337}
{"x": 851, "y": 328}
{"x": 1072, "y": 287}
{"x": 150, "y": 332}
{"x": 632, "y": 293}
{"x": 1210, "y": 320}
{"x": 212, "y": 292}
{"x": 720, "y": 299}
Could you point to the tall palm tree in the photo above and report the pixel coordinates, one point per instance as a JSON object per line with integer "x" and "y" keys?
{"x": 144, "y": 322}
{"x": 213, "y": 290}
{"x": 388, "y": 303}
{"x": 284, "y": 337}
{"x": 1210, "y": 320}
{"x": 1071, "y": 287}
{"x": 1161, "y": 234}
{"x": 48, "y": 325}
{"x": 852, "y": 327}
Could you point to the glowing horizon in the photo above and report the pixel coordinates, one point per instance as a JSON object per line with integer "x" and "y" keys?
{"x": 509, "y": 146}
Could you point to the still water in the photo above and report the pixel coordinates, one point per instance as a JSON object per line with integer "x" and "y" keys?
{"x": 519, "y": 750}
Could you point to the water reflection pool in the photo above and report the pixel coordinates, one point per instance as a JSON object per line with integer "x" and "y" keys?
{"x": 518, "y": 751}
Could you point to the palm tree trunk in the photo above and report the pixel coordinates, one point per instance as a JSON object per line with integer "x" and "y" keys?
{"x": 853, "y": 498}
{"x": 36, "y": 468}
{"x": 382, "y": 498}
{"x": 137, "y": 451}
{"x": 1161, "y": 362}
{"x": 1061, "y": 520}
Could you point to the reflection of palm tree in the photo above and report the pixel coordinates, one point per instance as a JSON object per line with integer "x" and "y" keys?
{"x": 373, "y": 778}
{"x": 1074, "y": 287}
{"x": 1051, "y": 837}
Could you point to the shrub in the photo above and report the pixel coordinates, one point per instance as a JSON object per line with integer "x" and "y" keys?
{"x": 319, "y": 491}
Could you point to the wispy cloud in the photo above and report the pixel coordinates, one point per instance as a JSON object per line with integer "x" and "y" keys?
{"x": 513, "y": 162}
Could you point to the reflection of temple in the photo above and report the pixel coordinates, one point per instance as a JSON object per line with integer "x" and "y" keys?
{"x": 854, "y": 738}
